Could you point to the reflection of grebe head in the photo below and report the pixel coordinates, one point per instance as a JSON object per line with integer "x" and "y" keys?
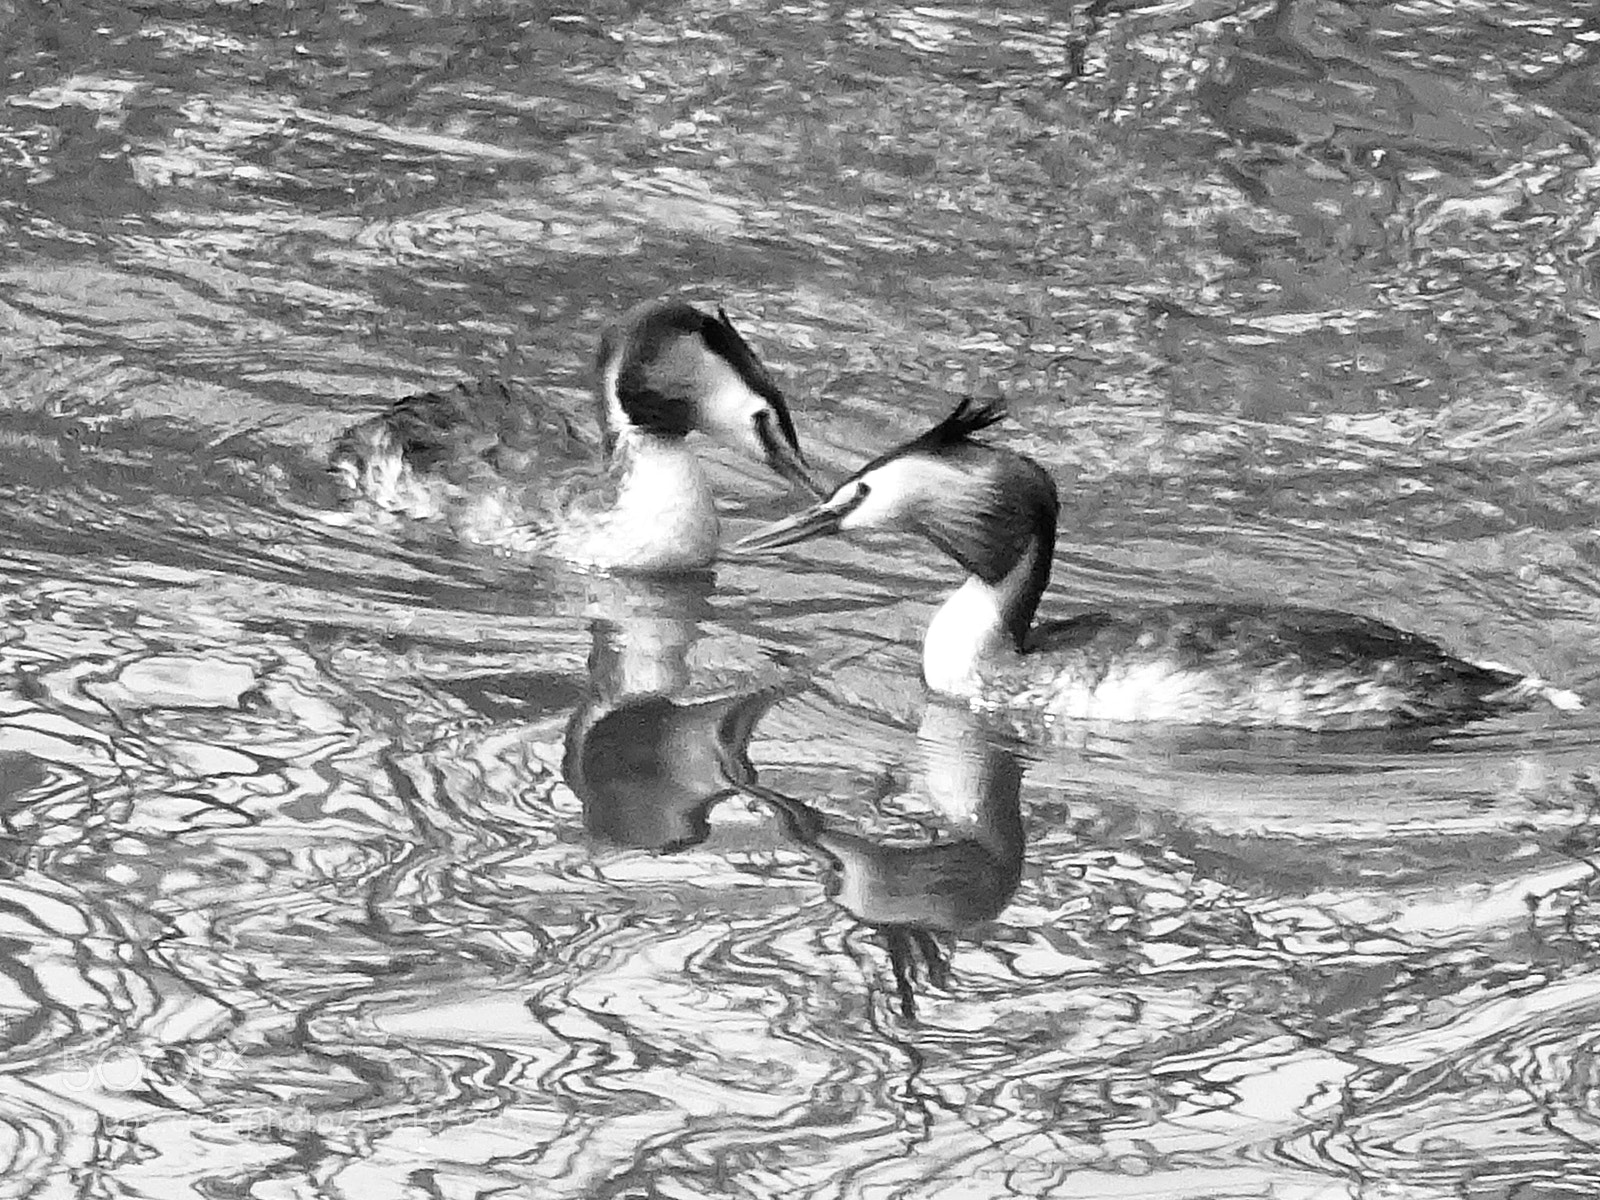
{"x": 649, "y": 770}
{"x": 666, "y": 368}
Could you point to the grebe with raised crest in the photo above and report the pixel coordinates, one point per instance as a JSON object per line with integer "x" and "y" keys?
{"x": 1251, "y": 665}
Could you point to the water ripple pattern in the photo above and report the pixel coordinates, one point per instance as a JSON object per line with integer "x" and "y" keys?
{"x": 339, "y": 860}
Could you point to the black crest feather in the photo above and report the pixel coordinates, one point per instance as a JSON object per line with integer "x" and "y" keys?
{"x": 969, "y": 416}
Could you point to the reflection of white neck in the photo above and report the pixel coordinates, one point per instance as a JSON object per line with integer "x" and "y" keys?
{"x": 955, "y": 766}
{"x": 665, "y": 516}
{"x": 966, "y": 632}
{"x": 651, "y": 658}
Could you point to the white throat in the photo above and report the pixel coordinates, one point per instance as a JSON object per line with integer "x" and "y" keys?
{"x": 664, "y": 518}
{"x": 967, "y": 632}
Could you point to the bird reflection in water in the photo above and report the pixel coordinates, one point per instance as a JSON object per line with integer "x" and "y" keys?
{"x": 648, "y": 766}
{"x": 910, "y": 893}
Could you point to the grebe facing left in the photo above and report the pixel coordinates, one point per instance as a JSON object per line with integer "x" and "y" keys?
{"x": 1249, "y": 665}
{"x": 499, "y": 466}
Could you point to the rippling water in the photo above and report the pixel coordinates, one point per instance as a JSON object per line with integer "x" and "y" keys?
{"x": 336, "y": 861}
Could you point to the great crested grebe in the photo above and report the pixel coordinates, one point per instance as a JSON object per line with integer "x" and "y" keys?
{"x": 994, "y": 511}
{"x": 499, "y": 466}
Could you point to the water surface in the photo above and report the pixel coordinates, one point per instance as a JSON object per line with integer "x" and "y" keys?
{"x": 338, "y": 861}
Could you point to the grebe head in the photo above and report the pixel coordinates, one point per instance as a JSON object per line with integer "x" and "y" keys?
{"x": 666, "y": 368}
{"x": 982, "y": 505}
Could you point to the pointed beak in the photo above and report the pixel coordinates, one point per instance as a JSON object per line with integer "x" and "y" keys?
{"x": 782, "y": 453}
{"x": 816, "y": 521}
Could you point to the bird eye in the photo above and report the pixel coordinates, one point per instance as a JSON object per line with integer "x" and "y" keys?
{"x": 849, "y": 498}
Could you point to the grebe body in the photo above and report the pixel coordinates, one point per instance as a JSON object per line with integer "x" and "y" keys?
{"x": 505, "y": 471}
{"x": 994, "y": 511}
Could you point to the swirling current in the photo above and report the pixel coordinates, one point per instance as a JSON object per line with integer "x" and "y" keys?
{"x": 339, "y": 860}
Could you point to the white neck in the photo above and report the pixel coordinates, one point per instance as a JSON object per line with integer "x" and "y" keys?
{"x": 965, "y": 633}
{"x": 664, "y": 518}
